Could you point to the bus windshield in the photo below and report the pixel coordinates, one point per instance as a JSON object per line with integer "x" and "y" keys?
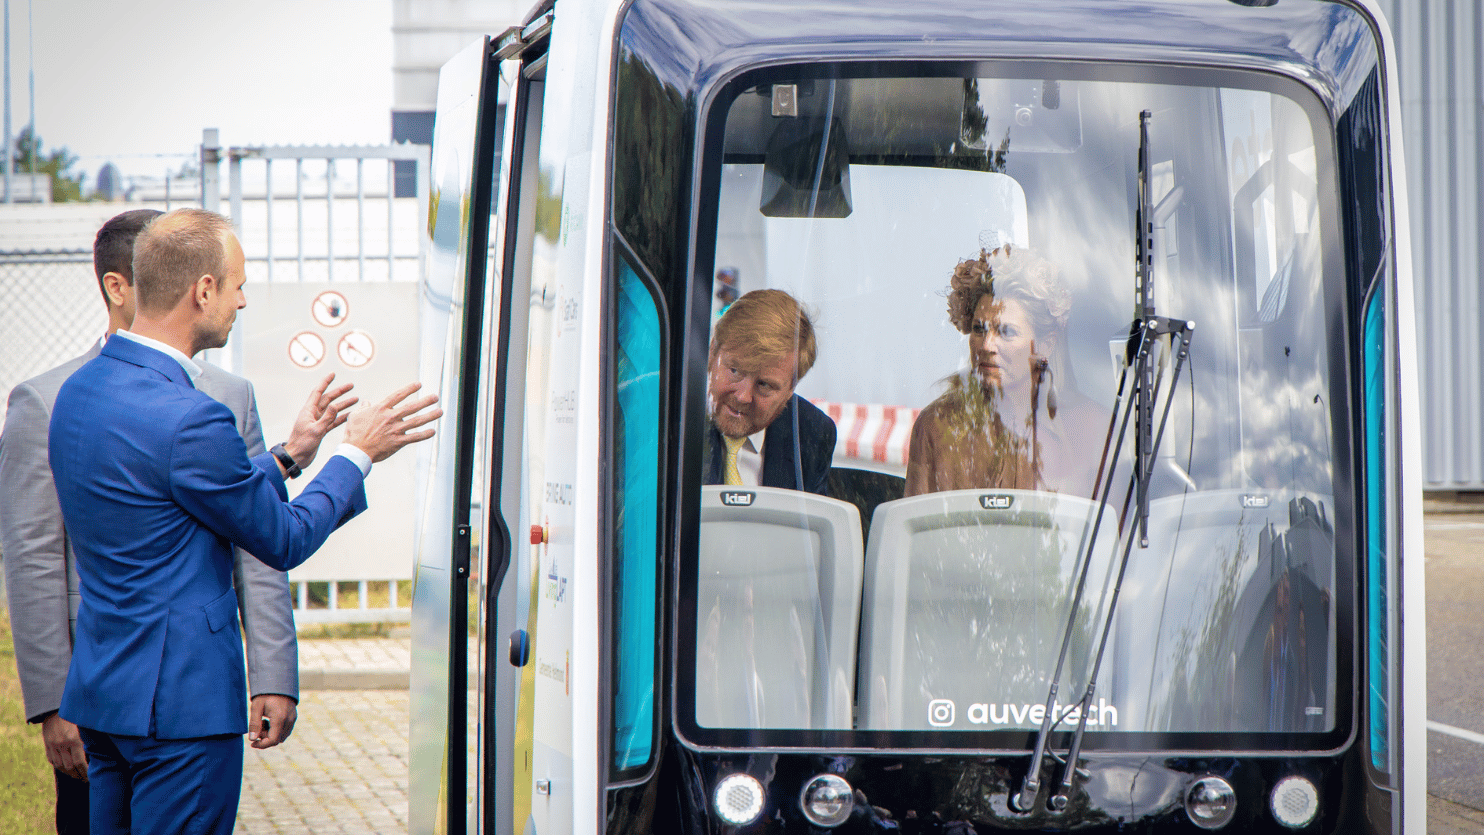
{"x": 900, "y": 497}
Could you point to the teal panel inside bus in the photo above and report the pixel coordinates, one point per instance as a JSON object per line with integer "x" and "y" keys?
{"x": 636, "y": 455}
{"x": 1378, "y": 632}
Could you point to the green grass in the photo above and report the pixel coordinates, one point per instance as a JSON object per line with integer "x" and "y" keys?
{"x": 26, "y": 785}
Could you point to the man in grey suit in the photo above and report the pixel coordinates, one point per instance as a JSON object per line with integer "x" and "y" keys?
{"x": 41, "y": 577}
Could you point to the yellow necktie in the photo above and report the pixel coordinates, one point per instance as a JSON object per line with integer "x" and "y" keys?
{"x": 732, "y": 476}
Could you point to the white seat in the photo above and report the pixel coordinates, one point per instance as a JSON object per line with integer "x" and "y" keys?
{"x": 966, "y": 598}
{"x": 778, "y": 600}
{"x": 1201, "y": 599}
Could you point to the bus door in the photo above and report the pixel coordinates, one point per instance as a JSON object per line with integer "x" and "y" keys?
{"x": 535, "y": 425}
{"x": 456, "y": 557}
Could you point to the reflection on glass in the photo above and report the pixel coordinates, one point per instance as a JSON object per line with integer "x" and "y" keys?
{"x": 1004, "y": 422}
{"x": 969, "y": 442}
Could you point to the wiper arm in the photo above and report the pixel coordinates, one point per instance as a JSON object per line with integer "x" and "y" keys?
{"x": 1026, "y": 800}
{"x": 1139, "y": 482}
{"x": 1146, "y": 333}
{"x": 1143, "y": 341}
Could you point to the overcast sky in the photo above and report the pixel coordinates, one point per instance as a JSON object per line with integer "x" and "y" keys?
{"x": 131, "y": 81}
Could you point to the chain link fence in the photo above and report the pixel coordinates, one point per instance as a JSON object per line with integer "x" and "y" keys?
{"x": 51, "y": 310}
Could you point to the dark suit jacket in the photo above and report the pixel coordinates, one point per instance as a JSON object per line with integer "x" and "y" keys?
{"x": 796, "y": 451}
{"x": 155, "y": 486}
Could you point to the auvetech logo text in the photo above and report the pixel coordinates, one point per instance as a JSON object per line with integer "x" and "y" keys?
{"x": 943, "y": 713}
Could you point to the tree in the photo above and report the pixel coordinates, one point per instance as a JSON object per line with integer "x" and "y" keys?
{"x": 66, "y": 187}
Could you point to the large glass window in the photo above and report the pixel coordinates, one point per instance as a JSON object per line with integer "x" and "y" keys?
{"x": 965, "y": 246}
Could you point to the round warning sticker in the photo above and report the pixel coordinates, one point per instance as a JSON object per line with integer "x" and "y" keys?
{"x": 306, "y": 349}
{"x": 329, "y": 308}
{"x": 356, "y": 349}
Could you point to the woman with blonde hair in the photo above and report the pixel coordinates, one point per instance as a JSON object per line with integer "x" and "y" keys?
{"x": 1010, "y": 420}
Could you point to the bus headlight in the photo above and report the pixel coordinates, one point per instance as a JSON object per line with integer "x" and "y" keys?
{"x": 738, "y": 799}
{"x": 1295, "y": 802}
{"x": 827, "y": 800}
{"x": 1211, "y": 803}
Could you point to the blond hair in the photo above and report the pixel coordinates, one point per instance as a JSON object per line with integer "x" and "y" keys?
{"x": 767, "y": 325}
{"x": 174, "y": 251}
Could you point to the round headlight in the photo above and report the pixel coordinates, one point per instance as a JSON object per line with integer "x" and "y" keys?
{"x": 1295, "y": 802}
{"x": 827, "y": 800}
{"x": 1211, "y": 803}
{"x": 739, "y": 799}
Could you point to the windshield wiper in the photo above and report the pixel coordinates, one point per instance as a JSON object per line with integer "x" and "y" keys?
{"x": 1147, "y": 334}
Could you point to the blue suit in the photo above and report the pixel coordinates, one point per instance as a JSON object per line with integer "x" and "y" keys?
{"x": 155, "y": 486}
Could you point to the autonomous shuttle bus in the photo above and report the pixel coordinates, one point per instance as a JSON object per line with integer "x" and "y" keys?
{"x": 1112, "y": 323}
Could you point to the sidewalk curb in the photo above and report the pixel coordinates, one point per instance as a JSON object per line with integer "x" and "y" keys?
{"x": 354, "y": 679}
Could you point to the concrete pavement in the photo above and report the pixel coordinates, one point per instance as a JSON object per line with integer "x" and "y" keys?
{"x": 344, "y": 769}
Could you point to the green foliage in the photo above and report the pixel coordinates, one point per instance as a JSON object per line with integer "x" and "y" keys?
{"x": 25, "y": 777}
{"x": 66, "y": 187}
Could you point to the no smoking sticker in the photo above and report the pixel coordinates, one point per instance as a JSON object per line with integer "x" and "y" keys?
{"x": 356, "y": 349}
{"x": 329, "y": 308}
{"x": 306, "y": 349}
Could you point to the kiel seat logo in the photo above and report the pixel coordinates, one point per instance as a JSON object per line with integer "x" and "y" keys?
{"x": 737, "y": 498}
{"x": 1254, "y": 501}
{"x": 995, "y": 501}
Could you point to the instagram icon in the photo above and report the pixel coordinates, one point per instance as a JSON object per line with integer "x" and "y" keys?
{"x": 941, "y": 712}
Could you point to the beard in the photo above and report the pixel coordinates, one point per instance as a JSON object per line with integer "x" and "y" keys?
{"x": 210, "y": 335}
{"x": 748, "y": 421}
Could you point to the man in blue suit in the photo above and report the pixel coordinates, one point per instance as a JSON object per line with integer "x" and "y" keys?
{"x": 41, "y": 577}
{"x": 155, "y": 487}
{"x": 761, "y": 433}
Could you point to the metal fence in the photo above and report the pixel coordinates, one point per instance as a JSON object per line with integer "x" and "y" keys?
{"x": 52, "y": 310}
{"x": 305, "y": 215}
{"x": 321, "y": 217}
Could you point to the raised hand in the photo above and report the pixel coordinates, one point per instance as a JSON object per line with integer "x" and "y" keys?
{"x": 382, "y": 429}
{"x": 325, "y": 410}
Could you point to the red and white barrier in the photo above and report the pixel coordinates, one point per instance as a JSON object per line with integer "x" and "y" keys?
{"x": 871, "y": 431}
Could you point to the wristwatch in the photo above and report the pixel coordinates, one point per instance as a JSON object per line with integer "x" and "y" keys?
{"x": 290, "y": 467}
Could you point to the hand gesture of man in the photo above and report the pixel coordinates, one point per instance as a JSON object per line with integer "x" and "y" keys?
{"x": 382, "y": 429}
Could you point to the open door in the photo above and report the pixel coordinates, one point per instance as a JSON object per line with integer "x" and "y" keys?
{"x": 443, "y": 792}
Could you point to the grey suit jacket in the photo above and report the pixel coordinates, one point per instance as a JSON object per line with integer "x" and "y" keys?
{"x": 41, "y": 575}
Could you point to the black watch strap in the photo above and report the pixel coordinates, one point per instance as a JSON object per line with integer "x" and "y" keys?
{"x": 290, "y": 467}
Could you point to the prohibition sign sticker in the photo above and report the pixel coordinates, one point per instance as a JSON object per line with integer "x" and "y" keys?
{"x": 329, "y": 308}
{"x": 356, "y": 349}
{"x": 306, "y": 349}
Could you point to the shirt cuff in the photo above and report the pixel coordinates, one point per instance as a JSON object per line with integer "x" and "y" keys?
{"x": 356, "y": 456}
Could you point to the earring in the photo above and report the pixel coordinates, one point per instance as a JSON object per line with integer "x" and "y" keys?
{"x": 1043, "y": 369}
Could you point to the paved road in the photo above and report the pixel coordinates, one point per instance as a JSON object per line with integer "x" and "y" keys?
{"x": 1455, "y": 666}
{"x": 344, "y": 770}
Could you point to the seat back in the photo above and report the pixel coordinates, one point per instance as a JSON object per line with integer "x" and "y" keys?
{"x": 778, "y": 601}
{"x": 966, "y": 598}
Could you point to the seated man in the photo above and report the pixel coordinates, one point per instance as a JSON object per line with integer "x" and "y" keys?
{"x": 761, "y": 434}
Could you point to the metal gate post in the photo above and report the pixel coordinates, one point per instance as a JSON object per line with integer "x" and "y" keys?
{"x": 211, "y": 175}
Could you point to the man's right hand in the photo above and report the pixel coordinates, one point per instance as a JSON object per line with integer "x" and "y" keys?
{"x": 64, "y": 747}
{"x": 386, "y": 427}
{"x": 324, "y": 410}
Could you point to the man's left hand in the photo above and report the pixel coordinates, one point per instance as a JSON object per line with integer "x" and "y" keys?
{"x": 281, "y": 713}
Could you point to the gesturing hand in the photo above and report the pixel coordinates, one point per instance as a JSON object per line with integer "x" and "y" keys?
{"x": 323, "y": 411}
{"x": 386, "y": 427}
